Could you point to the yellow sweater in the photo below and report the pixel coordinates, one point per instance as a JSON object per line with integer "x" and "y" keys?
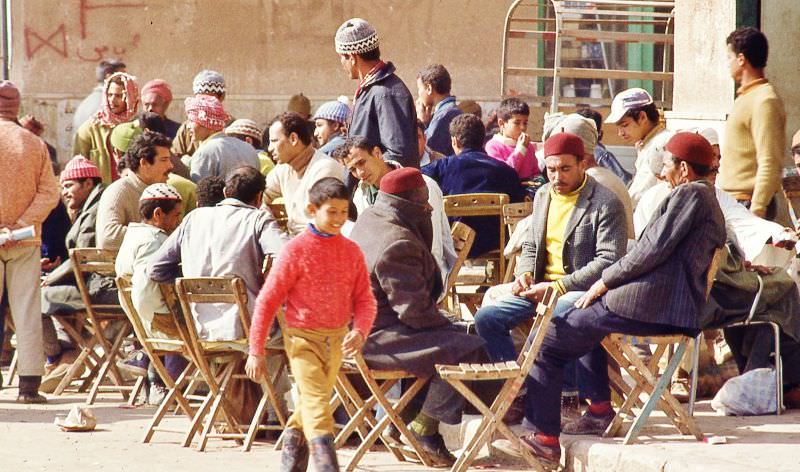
{"x": 753, "y": 151}
{"x": 558, "y": 213}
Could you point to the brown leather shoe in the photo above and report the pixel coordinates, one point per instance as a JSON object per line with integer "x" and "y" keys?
{"x": 31, "y": 398}
{"x": 515, "y": 412}
{"x": 549, "y": 456}
{"x": 791, "y": 398}
{"x": 590, "y": 424}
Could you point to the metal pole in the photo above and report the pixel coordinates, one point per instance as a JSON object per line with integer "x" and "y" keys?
{"x": 6, "y": 38}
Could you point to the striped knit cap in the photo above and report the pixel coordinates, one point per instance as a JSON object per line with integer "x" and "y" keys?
{"x": 333, "y": 111}
{"x": 208, "y": 82}
{"x": 244, "y": 127}
{"x": 160, "y": 192}
{"x": 356, "y": 36}
{"x": 79, "y": 168}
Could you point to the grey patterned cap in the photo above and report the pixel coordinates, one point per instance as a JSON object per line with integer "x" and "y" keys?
{"x": 356, "y": 36}
{"x": 208, "y": 82}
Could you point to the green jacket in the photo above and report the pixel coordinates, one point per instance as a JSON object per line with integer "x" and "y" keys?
{"x": 92, "y": 141}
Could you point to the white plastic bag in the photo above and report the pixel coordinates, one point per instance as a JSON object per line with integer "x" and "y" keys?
{"x": 749, "y": 394}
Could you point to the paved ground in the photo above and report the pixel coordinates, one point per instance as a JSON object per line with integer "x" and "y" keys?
{"x": 30, "y": 442}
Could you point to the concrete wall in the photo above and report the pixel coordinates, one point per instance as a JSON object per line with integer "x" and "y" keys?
{"x": 779, "y": 21}
{"x": 703, "y": 91}
{"x": 267, "y": 49}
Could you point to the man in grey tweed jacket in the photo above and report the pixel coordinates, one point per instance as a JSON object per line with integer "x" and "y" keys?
{"x": 659, "y": 287}
{"x": 592, "y": 236}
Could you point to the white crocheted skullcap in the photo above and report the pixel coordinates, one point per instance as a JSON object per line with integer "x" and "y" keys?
{"x": 356, "y": 36}
{"x": 245, "y": 127}
{"x": 208, "y": 82}
{"x": 160, "y": 192}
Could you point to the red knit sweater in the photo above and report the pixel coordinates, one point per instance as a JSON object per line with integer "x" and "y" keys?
{"x": 325, "y": 284}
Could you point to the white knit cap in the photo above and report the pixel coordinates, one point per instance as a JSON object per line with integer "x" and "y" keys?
{"x": 583, "y": 127}
{"x": 208, "y": 82}
{"x": 160, "y": 192}
{"x": 356, "y": 36}
{"x": 711, "y": 135}
{"x": 244, "y": 127}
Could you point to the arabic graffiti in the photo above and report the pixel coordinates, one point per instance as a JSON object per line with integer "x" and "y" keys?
{"x": 86, "y": 50}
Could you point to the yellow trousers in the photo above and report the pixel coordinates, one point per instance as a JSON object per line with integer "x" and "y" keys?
{"x": 314, "y": 358}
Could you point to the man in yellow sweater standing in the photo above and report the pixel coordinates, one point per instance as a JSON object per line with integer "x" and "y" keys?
{"x": 753, "y": 149}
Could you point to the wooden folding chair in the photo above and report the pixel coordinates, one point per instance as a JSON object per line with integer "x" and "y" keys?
{"x": 481, "y": 204}
{"x": 228, "y": 357}
{"x": 379, "y": 382}
{"x": 99, "y": 317}
{"x": 513, "y": 213}
{"x": 155, "y": 348}
{"x": 649, "y": 379}
{"x": 513, "y": 374}
{"x": 463, "y": 237}
{"x": 12, "y": 367}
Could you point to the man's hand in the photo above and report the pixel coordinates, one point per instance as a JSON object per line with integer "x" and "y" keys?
{"x": 424, "y": 112}
{"x": 352, "y": 343}
{"x": 522, "y": 283}
{"x": 6, "y": 232}
{"x": 522, "y": 143}
{"x": 595, "y": 291}
{"x": 256, "y": 367}
{"x": 536, "y": 293}
{"x": 48, "y": 265}
{"x": 759, "y": 269}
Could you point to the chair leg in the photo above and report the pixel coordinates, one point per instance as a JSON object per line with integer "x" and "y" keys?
{"x": 778, "y": 370}
{"x": 12, "y": 368}
{"x": 698, "y": 340}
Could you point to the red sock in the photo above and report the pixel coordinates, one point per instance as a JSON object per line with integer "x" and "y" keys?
{"x": 549, "y": 441}
{"x": 600, "y": 408}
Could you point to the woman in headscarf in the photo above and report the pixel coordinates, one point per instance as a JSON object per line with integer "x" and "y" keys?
{"x": 120, "y": 102}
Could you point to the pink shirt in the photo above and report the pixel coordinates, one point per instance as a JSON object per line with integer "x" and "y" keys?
{"x": 504, "y": 149}
{"x": 324, "y": 282}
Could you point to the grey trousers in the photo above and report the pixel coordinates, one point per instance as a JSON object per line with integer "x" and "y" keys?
{"x": 20, "y": 267}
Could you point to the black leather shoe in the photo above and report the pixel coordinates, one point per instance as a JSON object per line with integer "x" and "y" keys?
{"x": 294, "y": 456}
{"x": 324, "y": 454}
{"x": 436, "y": 449}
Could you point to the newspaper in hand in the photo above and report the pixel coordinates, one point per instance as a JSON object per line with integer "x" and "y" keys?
{"x": 27, "y": 232}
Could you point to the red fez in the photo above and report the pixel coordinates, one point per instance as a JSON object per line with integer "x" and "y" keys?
{"x": 691, "y": 147}
{"x": 401, "y": 180}
{"x": 563, "y": 143}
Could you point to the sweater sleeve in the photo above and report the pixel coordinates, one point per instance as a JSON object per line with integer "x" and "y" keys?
{"x": 767, "y": 127}
{"x": 271, "y": 296}
{"x": 47, "y": 193}
{"x": 364, "y": 304}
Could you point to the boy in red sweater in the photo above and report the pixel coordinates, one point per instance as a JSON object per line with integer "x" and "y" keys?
{"x": 323, "y": 279}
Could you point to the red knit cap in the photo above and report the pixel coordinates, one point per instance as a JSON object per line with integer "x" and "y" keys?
{"x": 401, "y": 180}
{"x": 563, "y": 143}
{"x": 691, "y": 147}
{"x": 79, "y": 168}
{"x": 158, "y": 87}
{"x": 206, "y": 111}
{"x": 9, "y": 100}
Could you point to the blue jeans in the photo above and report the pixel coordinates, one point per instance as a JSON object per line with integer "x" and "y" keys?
{"x": 494, "y": 322}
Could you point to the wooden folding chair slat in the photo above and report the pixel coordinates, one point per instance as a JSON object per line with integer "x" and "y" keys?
{"x": 513, "y": 374}
{"x": 513, "y": 213}
{"x": 482, "y": 204}
{"x": 463, "y": 237}
{"x": 229, "y": 356}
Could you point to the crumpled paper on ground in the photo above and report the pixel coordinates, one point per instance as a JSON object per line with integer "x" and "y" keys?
{"x": 78, "y": 419}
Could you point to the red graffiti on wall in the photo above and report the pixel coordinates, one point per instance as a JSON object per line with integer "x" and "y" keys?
{"x": 35, "y": 42}
{"x": 57, "y": 41}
